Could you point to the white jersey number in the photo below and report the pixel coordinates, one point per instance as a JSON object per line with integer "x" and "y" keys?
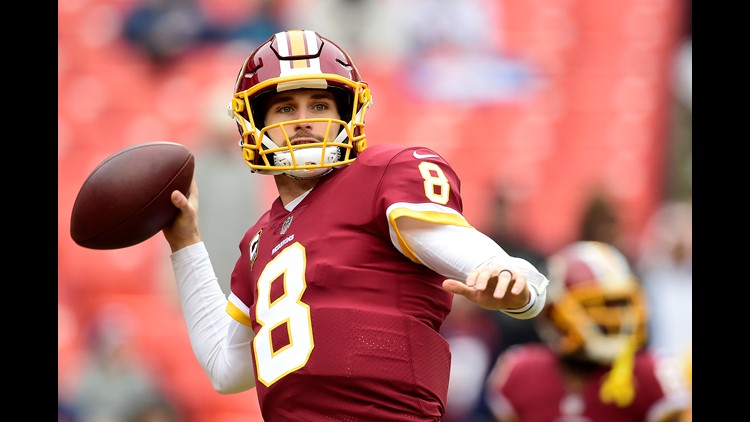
{"x": 435, "y": 178}
{"x": 287, "y": 312}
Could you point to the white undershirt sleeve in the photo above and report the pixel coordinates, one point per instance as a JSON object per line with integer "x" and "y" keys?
{"x": 453, "y": 251}
{"x": 220, "y": 343}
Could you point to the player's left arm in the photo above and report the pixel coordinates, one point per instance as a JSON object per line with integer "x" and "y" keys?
{"x": 475, "y": 267}
{"x": 421, "y": 192}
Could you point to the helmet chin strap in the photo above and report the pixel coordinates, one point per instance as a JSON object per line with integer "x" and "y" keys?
{"x": 312, "y": 156}
{"x": 308, "y": 174}
{"x": 618, "y": 386}
{"x": 307, "y": 155}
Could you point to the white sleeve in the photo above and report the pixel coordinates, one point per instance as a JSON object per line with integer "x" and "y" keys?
{"x": 453, "y": 251}
{"x": 220, "y": 343}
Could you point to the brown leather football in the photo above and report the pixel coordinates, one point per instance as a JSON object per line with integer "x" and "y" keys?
{"x": 126, "y": 199}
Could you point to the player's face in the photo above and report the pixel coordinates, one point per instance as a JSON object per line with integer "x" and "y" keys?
{"x": 302, "y": 104}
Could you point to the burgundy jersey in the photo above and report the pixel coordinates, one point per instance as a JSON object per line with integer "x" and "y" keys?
{"x": 527, "y": 382}
{"x": 346, "y": 324}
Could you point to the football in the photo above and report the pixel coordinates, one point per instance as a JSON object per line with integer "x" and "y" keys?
{"x": 126, "y": 199}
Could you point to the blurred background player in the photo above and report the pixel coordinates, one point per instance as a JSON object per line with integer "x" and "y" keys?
{"x": 116, "y": 384}
{"x": 665, "y": 267}
{"x": 594, "y": 365}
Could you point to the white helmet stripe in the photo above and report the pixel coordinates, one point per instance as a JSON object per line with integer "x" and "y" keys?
{"x": 298, "y": 43}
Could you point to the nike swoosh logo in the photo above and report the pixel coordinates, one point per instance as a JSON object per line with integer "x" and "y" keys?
{"x": 423, "y": 156}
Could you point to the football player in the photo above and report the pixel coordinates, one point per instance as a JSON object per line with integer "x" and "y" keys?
{"x": 341, "y": 287}
{"x": 593, "y": 364}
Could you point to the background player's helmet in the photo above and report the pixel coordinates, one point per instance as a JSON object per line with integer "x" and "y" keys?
{"x": 595, "y": 307}
{"x": 292, "y": 60}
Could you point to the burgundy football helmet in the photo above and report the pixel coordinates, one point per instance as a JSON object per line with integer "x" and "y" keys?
{"x": 292, "y": 60}
{"x": 596, "y": 312}
{"x": 595, "y": 303}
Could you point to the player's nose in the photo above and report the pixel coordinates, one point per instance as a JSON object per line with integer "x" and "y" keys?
{"x": 302, "y": 125}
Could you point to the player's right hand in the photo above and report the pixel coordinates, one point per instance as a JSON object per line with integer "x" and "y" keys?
{"x": 184, "y": 231}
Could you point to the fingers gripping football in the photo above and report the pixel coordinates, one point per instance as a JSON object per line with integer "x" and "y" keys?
{"x": 184, "y": 230}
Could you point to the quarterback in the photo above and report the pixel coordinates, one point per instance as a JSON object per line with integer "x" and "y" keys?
{"x": 341, "y": 287}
